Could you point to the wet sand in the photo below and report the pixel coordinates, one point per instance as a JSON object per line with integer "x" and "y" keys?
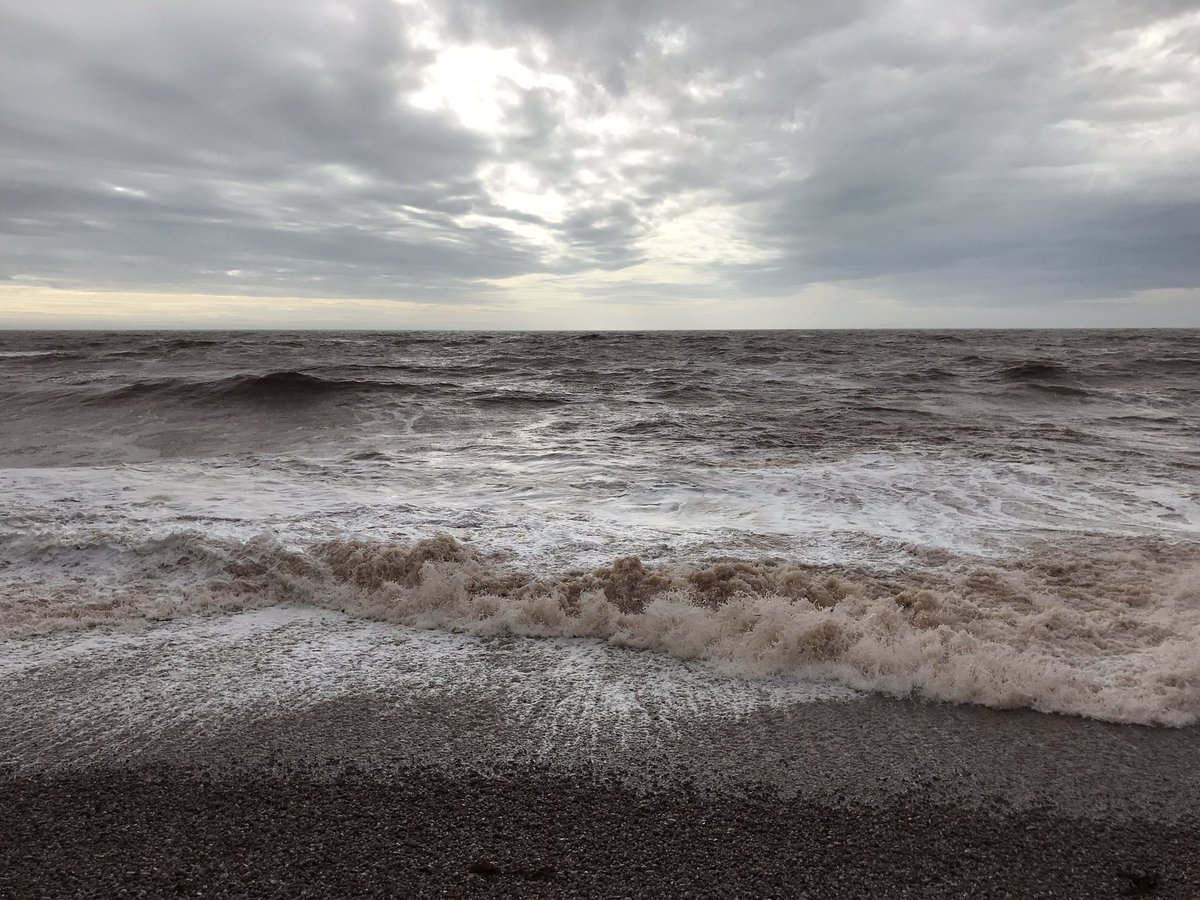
{"x": 244, "y": 757}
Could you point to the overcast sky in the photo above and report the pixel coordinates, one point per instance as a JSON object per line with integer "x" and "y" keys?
{"x": 544, "y": 163}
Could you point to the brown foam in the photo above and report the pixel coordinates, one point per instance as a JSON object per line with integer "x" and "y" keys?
{"x": 1103, "y": 629}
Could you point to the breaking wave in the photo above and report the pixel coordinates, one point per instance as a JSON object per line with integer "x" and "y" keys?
{"x": 1110, "y": 631}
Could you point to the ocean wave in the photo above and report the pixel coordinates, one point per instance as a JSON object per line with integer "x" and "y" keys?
{"x": 1060, "y": 390}
{"x": 932, "y": 374}
{"x": 1048, "y": 378}
{"x": 1144, "y": 418}
{"x": 1035, "y": 371}
{"x": 1140, "y": 366}
{"x": 189, "y": 344}
{"x": 36, "y": 355}
{"x": 1183, "y": 363}
{"x": 1108, "y": 631}
{"x": 519, "y": 398}
{"x": 683, "y": 392}
{"x": 269, "y": 387}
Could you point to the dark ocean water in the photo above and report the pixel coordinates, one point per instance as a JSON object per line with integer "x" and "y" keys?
{"x": 1125, "y": 398}
{"x": 998, "y": 517}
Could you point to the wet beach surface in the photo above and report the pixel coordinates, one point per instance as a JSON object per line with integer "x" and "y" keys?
{"x": 503, "y": 771}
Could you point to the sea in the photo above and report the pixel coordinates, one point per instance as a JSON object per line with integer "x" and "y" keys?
{"x": 1007, "y": 519}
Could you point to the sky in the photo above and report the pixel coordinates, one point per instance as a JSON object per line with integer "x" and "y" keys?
{"x": 620, "y": 164}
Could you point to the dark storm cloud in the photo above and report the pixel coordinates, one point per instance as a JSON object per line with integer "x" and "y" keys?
{"x": 1004, "y": 151}
{"x": 160, "y": 146}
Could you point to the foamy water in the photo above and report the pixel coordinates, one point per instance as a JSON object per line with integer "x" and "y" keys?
{"x": 1001, "y": 519}
{"x": 78, "y": 699}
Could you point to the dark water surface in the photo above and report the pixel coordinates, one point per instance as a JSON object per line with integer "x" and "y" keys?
{"x": 1007, "y": 518}
{"x": 1105, "y": 398}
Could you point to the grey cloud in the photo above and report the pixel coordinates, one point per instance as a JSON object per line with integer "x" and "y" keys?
{"x": 920, "y": 144}
{"x": 987, "y": 150}
{"x": 161, "y": 148}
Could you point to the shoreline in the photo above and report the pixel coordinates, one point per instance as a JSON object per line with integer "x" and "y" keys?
{"x": 312, "y": 689}
{"x": 300, "y": 753}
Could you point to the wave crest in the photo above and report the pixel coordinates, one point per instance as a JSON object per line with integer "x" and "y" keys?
{"x": 1035, "y": 371}
{"x": 270, "y": 387}
{"x": 1112, "y": 633}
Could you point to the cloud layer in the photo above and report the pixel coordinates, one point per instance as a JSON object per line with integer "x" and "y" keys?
{"x": 683, "y": 157}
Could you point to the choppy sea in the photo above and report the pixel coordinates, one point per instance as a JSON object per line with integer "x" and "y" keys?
{"x": 1009, "y": 519}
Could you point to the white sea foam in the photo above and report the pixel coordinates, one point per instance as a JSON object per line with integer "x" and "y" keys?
{"x": 1104, "y": 629}
{"x": 584, "y": 508}
{"x": 118, "y": 695}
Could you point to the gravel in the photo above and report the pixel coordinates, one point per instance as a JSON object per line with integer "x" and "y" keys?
{"x": 152, "y": 832}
